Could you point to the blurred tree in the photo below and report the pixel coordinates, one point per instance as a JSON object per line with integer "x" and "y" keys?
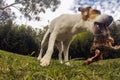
{"x": 115, "y": 32}
{"x": 20, "y": 39}
{"x": 5, "y": 13}
{"x": 30, "y": 8}
{"x": 81, "y": 44}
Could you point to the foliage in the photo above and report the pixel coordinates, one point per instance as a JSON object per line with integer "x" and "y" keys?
{"x": 115, "y": 32}
{"x": 81, "y": 44}
{"x": 5, "y": 14}
{"x": 29, "y": 8}
{"x": 20, "y": 39}
{"x": 18, "y": 67}
{"x": 32, "y": 8}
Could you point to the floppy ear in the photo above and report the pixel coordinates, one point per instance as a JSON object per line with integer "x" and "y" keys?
{"x": 88, "y": 8}
{"x": 80, "y": 9}
{"x": 96, "y": 11}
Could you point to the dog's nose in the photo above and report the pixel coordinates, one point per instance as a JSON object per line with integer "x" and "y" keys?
{"x": 104, "y": 19}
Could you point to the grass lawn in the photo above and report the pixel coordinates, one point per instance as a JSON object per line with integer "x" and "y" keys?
{"x": 19, "y": 67}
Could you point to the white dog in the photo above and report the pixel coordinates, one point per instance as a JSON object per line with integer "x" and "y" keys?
{"x": 62, "y": 29}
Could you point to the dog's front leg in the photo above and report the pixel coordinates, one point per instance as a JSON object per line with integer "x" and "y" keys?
{"x": 59, "y": 45}
{"x": 43, "y": 43}
{"x": 66, "y": 45}
{"x": 45, "y": 61}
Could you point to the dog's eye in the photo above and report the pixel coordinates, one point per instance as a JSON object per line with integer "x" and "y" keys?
{"x": 97, "y": 23}
{"x": 100, "y": 24}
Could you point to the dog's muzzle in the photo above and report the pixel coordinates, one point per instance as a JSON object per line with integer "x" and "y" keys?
{"x": 99, "y": 28}
{"x": 101, "y": 23}
{"x": 103, "y": 20}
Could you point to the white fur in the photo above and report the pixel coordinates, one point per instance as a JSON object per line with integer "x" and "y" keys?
{"x": 61, "y": 30}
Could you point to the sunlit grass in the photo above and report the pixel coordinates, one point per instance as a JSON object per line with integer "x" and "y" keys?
{"x": 18, "y": 67}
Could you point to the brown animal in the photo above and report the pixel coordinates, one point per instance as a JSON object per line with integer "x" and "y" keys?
{"x": 101, "y": 45}
{"x": 103, "y": 41}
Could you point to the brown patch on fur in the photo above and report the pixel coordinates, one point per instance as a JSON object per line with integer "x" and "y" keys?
{"x": 93, "y": 14}
{"x": 88, "y": 13}
{"x": 84, "y": 12}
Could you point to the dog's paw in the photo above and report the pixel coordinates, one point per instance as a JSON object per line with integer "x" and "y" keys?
{"x": 61, "y": 62}
{"x": 44, "y": 62}
{"x": 39, "y": 58}
{"x": 67, "y": 63}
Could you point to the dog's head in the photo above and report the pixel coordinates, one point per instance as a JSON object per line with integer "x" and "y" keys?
{"x": 101, "y": 24}
{"x": 88, "y": 13}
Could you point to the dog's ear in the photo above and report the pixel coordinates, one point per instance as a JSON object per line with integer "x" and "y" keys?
{"x": 80, "y": 9}
{"x": 84, "y": 9}
{"x": 96, "y": 11}
{"x": 88, "y": 8}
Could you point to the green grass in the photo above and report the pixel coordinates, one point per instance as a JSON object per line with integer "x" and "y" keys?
{"x": 18, "y": 67}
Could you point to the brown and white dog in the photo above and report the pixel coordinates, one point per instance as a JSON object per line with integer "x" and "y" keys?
{"x": 62, "y": 29}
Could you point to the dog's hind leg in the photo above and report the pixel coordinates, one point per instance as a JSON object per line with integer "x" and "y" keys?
{"x": 43, "y": 43}
{"x": 59, "y": 45}
{"x": 45, "y": 61}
